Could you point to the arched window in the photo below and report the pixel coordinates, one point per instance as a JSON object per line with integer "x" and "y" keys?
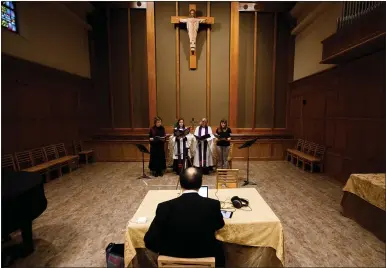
{"x": 8, "y": 16}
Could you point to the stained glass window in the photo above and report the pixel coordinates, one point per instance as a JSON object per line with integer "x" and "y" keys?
{"x": 8, "y": 16}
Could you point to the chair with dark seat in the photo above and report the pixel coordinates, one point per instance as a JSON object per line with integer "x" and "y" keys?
{"x": 83, "y": 154}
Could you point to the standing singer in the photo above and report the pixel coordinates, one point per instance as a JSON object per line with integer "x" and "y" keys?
{"x": 203, "y": 158}
{"x": 223, "y": 134}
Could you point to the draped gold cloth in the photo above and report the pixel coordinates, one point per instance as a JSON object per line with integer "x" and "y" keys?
{"x": 254, "y": 227}
{"x": 370, "y": 187}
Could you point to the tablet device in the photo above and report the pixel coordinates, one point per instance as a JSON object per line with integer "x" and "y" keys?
{"x": 226, "y": 214}
{"x": 203, "y": 191}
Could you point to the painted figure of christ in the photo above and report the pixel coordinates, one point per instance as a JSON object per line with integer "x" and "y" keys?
{"x": 192, "y": 24}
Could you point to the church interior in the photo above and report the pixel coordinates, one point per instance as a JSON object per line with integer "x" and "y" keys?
{"x": 302, "y": 86}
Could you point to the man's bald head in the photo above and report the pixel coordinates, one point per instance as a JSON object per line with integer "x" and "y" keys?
{"x": 191, "y": 179}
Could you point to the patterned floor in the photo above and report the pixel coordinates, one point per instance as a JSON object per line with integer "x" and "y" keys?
{"x": 90, "y": 207}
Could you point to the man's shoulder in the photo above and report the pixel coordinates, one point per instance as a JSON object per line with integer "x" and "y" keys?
{"x": 212, "y": 201}
{"x": 209, "y": 201}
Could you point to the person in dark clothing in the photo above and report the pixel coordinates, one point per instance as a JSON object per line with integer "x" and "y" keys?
{"x": 223, "y": 133}
{"x": 157, "y": 163}
{"x": 185, "y": 227}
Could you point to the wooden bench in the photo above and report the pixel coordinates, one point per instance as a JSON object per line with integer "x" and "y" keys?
{"x": 46, "y": 159}
{"x": 307, "y": 153}
{"x": 25, "y": 162}
{"x": 86, "y": 154}
{"x": 8, "y": 163}
{"x": 64, "y": 160}
{"x": 166, "y": 261}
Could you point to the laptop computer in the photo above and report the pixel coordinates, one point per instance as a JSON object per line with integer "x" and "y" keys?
{"x": 203, "y": 191}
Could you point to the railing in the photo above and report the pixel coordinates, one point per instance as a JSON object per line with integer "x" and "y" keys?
{"x": 353, "y": 11}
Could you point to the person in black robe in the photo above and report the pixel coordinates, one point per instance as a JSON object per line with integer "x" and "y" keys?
{"x": 181, "y": 158}
{"x": 157, "y": 163}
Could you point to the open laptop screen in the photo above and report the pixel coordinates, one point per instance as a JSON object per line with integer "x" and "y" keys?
{"x": 203, "y": 191}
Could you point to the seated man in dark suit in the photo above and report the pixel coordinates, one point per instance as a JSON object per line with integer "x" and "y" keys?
{"x": 185, "y": 226}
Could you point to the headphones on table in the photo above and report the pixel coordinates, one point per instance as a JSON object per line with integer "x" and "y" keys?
{"x": 238, "y": 202}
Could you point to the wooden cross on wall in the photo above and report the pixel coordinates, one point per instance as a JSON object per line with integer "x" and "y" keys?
{"x": 192, "y": 25}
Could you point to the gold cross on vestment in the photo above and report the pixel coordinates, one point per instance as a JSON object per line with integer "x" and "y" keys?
{"x": 192, "y": 32}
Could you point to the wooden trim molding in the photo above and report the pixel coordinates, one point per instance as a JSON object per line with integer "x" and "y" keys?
{"x": 234, "y": 64}
{"x": 274, "y": 70}
{"x": 109, "y": 62}
{"x": 130, "y": 69}
{"x": 208, "y": 89}
{"x": 177, "y": 65}
{"x": 255, "y": 44}
{"x": 151, "y": 61}
{"x": 264, "y": 149}
{"x": 237, "y": 132}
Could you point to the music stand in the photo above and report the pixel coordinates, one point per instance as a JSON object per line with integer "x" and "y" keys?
{"x": 184, "y": 165}
{"x": 248, "y": 145}
{"x": 144, "y": 151}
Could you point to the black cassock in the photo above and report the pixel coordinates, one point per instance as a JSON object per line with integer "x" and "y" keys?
{"x": 157, "y": 150}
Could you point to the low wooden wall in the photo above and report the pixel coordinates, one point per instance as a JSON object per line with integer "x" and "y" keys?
{"x": 121, "y": 147}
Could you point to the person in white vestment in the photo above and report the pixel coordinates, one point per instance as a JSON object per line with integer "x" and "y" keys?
{"x": 180, "y": 146}
{"x": 203, "y": 157}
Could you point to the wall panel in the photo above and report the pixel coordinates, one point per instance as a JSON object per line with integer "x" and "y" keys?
{"x": 139, "y": 68}
{"x": 264, "y": 112}
{"x": 245, "y": 91}
{"x": 42, "y": 106}
{"x": 165, "y": 59}
{"x": 220, "y": 38}
{"x": 344, "y": 110}
{"x": 283, "y": 52}
{"x": 99, "y": 48}
{"x": 120, "y": 67}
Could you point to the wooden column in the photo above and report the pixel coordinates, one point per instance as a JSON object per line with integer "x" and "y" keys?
{"x": 151, "y": 67}
{"x": 234, "y": 65}
{"x": 110, "y": 81}
{"x": 255, "y": 43}
{"x": 177, "y": 65}
{"x": 130, "y": 70}
{"x": 274, "y": 70}
{"x": 290, "y": 78}
{"x": 208, "y": 65}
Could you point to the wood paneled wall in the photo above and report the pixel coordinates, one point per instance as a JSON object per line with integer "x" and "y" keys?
{"x": 344, "y": 108}
{"x": 126, "y": 151}
{"x": 242, "y": 66}
{"x": 264, "y": 70}
{"x": 42, "y": 106}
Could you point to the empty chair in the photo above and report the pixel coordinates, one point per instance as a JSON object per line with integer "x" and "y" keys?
{"x": 227, "y": 178}
{"x": 83, "y": 154}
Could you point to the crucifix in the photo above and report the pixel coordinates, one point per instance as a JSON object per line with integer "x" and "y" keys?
{"x": 192, "y": 24}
